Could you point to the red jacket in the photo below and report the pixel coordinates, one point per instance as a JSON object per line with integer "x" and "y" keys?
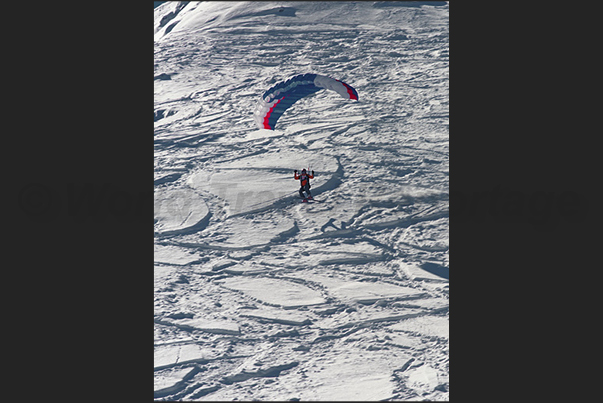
{"x": 303, "y": 178}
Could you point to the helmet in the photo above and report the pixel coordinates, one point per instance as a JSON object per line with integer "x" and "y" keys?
{"x": 304, "y": 170}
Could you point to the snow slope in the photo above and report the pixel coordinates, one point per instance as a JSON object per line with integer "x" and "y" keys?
{"x": 258, "y": 296}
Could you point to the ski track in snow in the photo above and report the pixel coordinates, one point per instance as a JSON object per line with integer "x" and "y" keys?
{"x": 258, "y": 296}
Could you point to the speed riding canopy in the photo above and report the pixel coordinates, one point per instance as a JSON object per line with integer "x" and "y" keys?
{"x": 280, "y": 97}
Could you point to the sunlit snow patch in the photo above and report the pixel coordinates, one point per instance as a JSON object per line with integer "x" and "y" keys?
{"x": 423, "y": 377}
{"x": 434, "y": 326}
{"x": 254, "y": 183}
{"x": 170, "y": 381}
{"x": 209, "y": 326}
{"x": 242, "y": 232}
{"x": 169, "y": 356}
{"x": 275, "y": 315}
{"x": 179, "y": 210}
{"x": 343, "y": 374}
{"x": 274, "y": 291}
{"x": 362, "y": 292}
{"x": 174, "y": 255}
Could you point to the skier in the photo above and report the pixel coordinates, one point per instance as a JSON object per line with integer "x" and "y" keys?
{"x": 304, "y": 179}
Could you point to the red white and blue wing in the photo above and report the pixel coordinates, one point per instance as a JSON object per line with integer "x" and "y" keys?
{"x": 281, "y": 96}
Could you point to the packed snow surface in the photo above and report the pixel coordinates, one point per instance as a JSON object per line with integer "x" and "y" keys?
{"x": 261, "y": 297}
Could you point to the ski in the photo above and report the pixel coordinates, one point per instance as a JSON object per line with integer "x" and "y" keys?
{"x": 309, "y": 201}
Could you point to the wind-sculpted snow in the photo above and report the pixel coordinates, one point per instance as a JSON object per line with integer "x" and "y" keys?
{"x": 282, "y": 293}
{"x": 253, "y": 183}
{"x": 178, "y": 210}
{"x": 256, "y": 295}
